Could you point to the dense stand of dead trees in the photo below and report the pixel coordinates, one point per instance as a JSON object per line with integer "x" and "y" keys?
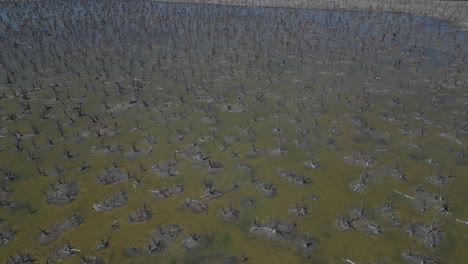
{"x": 115, "y": 50}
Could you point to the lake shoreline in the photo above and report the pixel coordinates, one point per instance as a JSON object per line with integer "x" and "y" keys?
{"x": 452, "y": 11}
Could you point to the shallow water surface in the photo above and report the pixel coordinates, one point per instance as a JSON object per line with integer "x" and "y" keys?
{"x": 141, "y": 132}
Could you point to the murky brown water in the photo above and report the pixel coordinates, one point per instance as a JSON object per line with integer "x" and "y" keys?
{"x": 282, "y": 112}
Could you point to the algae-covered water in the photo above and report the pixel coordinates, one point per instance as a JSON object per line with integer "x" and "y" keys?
{"x": 144, "y": 132}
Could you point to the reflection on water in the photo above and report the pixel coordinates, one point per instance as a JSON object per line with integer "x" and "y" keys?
{"x": 142, "y": 132}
